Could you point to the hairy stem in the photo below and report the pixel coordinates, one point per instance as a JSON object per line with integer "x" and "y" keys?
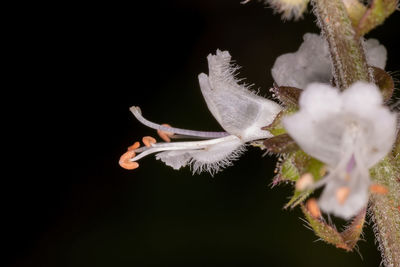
{"x": 346, "y": 50}
{"x": 385, "y": 212}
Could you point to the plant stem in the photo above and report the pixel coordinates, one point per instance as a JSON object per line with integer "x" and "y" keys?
{"x": 347, "y": 53}
{"x": 385, "y": 211}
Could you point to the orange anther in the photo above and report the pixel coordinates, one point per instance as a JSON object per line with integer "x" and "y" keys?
{"x": 312, "y": 207}
{"x": 378, "y": 189}
{"x": 148, "y": 141}
{"x": 165, "y": 135}
{"x": 125, "y": 160}
{"x": 134, "y": 146}
{"x": 342, "y": 193}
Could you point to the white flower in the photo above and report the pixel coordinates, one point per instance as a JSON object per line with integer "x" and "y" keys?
{"x": 240, "y": 112}
{"x": 349, "y": 131}
{"x": 312, "y": 63}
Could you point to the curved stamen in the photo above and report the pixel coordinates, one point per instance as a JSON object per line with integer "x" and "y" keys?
{"x": 126, "y": 162}
{"x": 134, "y": 146}
{"x": 148, "y": 141}
{"x": 166, "y": 136}
{"x": 138, "y": 114}
{"x": 194, "y": 145}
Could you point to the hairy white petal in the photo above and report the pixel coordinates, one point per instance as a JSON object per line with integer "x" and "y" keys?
{"x": 175, "y": 159}
{"x": 221, "y": 158}
{"x": 239, "y": 111}
{"x": 312, "y": 63}
{"x": 211, "y": 158}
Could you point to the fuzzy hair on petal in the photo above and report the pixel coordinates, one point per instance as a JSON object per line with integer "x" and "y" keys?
{"x": 238, "y": 110}
{"x": 211, "y": 159}
{"x": 175, "y": 158}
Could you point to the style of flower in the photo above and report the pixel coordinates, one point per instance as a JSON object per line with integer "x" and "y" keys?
{"x": 240, "y": 112}
{"x": 312, "y": 63}
{"x": 350, "y": 132}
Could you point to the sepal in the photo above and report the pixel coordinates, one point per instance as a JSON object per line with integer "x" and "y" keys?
{"x": 280, "y": 144}
{"x": 346, "y": 240}
{"x": 292, "y": 167}
{"x": 385, "y": 83}
{"x": 276, "y": 127}
{"x": 353, "y": 231}
{"x": 303, "y": 164}
{"x": 288, "y": 96}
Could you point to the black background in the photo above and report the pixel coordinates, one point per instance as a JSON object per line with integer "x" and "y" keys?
{"x": 86, "y": 64}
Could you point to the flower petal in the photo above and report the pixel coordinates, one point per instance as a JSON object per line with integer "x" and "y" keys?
{"x": 311, "y": 62}
{"x": 238, "y": 110}
{"x": 352, "y": 203}
{"x": 376, "y": 53}
{"x": 317, "y": 127}
{"x": 175, "y": 158}
{"x": 211, "y": 159}
{"x": 312, "y": 139}
{"x": 362, "y": 97}
{"x": 320, "y": 101}
{"x": 364, "y": 103}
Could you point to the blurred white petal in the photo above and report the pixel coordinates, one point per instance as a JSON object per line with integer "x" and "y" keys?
{"x": 311, "y": 62}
